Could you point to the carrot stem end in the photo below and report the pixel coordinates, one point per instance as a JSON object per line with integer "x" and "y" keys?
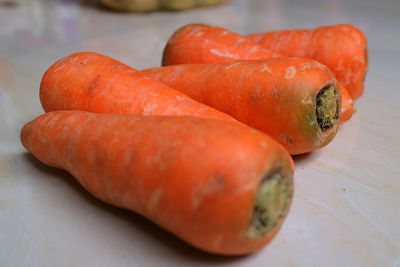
{"x": 271, "y": 203}
{"x": 327, "y": 110}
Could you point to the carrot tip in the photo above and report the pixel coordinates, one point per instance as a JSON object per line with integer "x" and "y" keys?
{"x": 271, "y": 203}
{"x": 327, "y": 109}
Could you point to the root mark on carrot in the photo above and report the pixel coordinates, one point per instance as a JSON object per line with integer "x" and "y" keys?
{"x": 271, "y": 203}
{"x": 327, "y": 110}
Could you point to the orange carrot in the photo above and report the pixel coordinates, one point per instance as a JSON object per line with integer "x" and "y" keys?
{"x": 296, "y": 101}
{"x": 93, "y": 82}
{"x": 343, "y": 48}
{"x": 205, "y": 44}
{"x": 347, "y": 109}
{"x": 201, "y": 43}
{"x": 221, "y": 186}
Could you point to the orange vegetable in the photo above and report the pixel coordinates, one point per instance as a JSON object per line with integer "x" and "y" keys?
{"x": 296, "y": 101}
{"x": 343, "y": 48}
{"x": 221, "y": 186}
{"x": 93, "y": 82}
{"x": 201, "y": 43}
{"x": 347, "y": 109}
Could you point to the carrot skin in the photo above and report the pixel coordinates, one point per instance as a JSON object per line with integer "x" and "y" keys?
{"x": 342, "y": 47}
{"x": 206, "y": 44}
{"x": 201, "y": 43}
{"x": 96, "y": 83}
{"x": 347, "y": 109}
{"x": 277, "y": 96}
{"x": 195, "y": 177}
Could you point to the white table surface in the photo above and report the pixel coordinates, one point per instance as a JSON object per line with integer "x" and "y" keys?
{"x": 346, "y": 208}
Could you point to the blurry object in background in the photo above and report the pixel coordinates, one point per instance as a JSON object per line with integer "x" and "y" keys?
{"x": 152, "y": 5}
{"x": 8, "y": 2}
{"x": 178, "y": 4}
{"x": 132, "y": 5}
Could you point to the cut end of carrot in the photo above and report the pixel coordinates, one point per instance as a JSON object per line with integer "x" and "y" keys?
{"x": 327, "y": 109}
{"x": 271, "y": 204}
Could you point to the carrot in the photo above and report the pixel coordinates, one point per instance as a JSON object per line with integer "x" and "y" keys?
{"x": 296, "y": 101}
{"x": 201, "y": 43}
{"x": 93, "y": 82}
{"x": 347, "y": 109}
{"x": 221, "y": 186}
{"x": 343, "y": 48}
